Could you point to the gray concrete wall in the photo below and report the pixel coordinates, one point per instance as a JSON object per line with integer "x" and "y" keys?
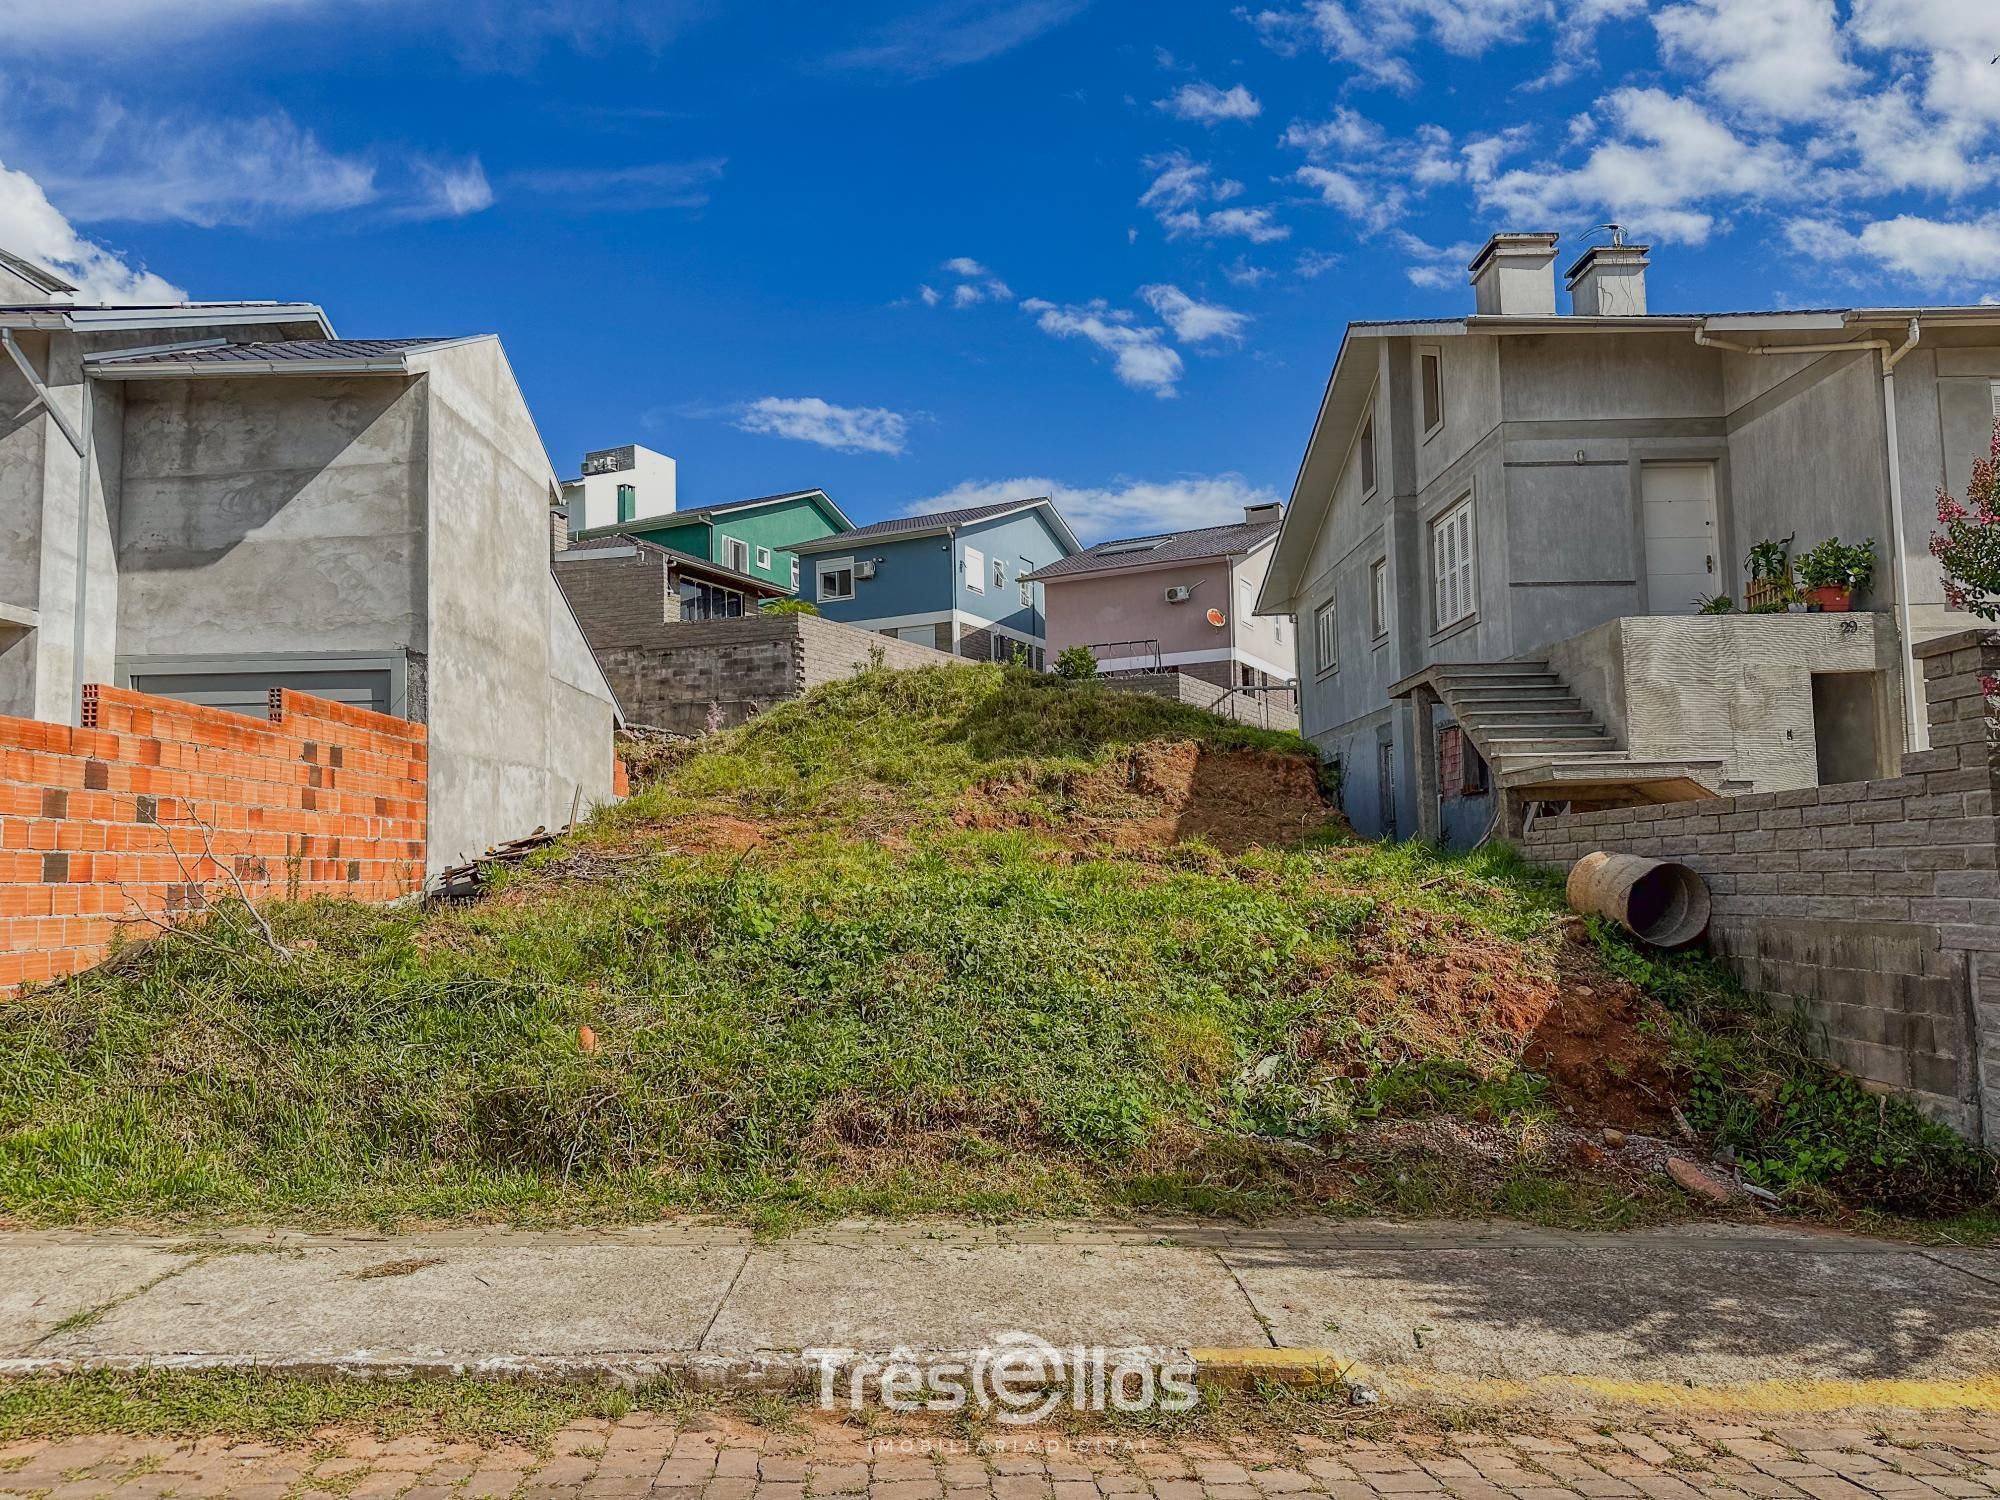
{"x": 1874, "y": 905}
{"x": 517, "y": 724}
{"x": 1737, "y": 687}
{"x": 272, "y": 515}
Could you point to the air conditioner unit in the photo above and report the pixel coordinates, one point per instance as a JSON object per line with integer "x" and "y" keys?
{"x": 864, "y": 567}
{"x": 1180, "y": 593}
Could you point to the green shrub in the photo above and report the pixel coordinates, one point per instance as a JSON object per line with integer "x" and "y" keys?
{"x": 1076, "y": 663}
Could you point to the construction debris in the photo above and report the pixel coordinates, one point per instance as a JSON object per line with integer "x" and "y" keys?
{"x": 464, "y": 882}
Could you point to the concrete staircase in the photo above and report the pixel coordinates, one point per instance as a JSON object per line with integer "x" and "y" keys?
{"x": 1528, "y": 725}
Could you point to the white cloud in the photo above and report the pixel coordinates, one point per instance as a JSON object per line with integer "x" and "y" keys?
{"x": 980, "y": 284}
{"x": 954, "y": 33}
{"x": 1955, "y": 40}
{"x": 1140, "y": 356}
{"x": 32, "y": 227}
{"x": 1313, "y": 264}
{"x": 1781, "y": 58}
{"x": 1181, "y": 185}
{"x": 1124, "y": 507}
{"x": 145, "y": 169}
{"x": 1434, "y": 267}
{"x": 503, "y": 33}
{"x": 931, "y": 295}
{"x": 1668, "y": 167}
{"x": 845, "y": 429}
{"x": 1241, "y": 273}
{"x": 450, "y": 192}
{"x": 1193, "y": 322}
{"x": 1367, "y": 205}
{"x": 1933, "y": 252}
{"x": 1372, "y": 36}
{"x": 1209, "y": 105}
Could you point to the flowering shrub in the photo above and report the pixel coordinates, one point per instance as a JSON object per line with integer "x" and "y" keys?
{"x": 1968, "y": 548}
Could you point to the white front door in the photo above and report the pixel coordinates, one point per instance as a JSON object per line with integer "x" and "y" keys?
{"x": 1678, "y": 501}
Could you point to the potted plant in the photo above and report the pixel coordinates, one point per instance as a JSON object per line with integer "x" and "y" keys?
{"x": 1832, "y": 573}
{"x": 1770, "y": 568}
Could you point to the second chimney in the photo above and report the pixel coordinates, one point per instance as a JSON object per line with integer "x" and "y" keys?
{"x": 1608, "y": 281}
{"x": 1514, "y": 276}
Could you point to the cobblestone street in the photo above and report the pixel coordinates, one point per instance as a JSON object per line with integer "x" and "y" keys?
{"x": 723, "y": 1459}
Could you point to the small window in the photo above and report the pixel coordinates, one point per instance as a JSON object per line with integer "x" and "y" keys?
{"x": 764, "y": 557}
{"x": 736, "y": 554}
{"x": 999, "y": 574}
{"x": 795, "y": 575}
{"x": 1453, "y": 595}
{"x": 1995, "y": 388}
{"x": 1246, "y": 677}
{"x": 1027, "y": 594}
{"x": 1325, "y": 658}
{"x": 1378, "y": 598}
{"x": 836, "y": 580}
{"x": 975, "y": 570}
{"x": 1368, "y": 455}
{"x": 1003, "y": 649}
{"x": 1431, "y": 363}
{"x": 1246, "y": 600}
{"x": 628, "y": 502}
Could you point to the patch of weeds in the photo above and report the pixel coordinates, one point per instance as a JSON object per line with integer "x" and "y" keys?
{"x": 278, "y": 1409}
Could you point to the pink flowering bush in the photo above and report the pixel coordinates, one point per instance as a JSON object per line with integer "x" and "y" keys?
{"x": 1968, "y": 548}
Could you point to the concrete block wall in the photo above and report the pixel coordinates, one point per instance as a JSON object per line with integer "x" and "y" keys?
{"x": 739, "y": 668}
{"x": 140, "y": 818}
{"x": 1875, "y": 905}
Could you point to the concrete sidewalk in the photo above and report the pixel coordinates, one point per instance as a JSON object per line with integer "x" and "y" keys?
{"x": 1707, "y": 1317}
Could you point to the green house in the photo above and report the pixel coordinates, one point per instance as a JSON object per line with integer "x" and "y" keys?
{"x": 743, "y": 535}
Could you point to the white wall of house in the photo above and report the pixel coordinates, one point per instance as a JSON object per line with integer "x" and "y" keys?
{"x": 593, "y": 497}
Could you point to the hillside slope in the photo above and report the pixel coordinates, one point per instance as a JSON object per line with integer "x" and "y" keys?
{"x": 954, "y": 940}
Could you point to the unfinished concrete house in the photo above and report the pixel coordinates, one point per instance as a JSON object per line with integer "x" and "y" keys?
{"x": 207, "y": 501}
{"x": 1505, "y": 524}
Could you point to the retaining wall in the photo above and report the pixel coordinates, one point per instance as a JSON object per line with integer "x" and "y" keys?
{"x": 1875, "y": 905}
{"x": 155, "y": 807}
{"x": 739, "y": 668}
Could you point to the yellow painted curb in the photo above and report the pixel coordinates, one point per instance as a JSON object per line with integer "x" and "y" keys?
{"x": 1279, "y": 1366}
{"x": 1979, "y": 1393}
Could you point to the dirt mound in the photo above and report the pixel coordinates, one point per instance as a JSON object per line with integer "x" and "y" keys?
{"x": 1444, "y": 988}
{"x": 1159, "y": 794}
{"x": 1608, "y": 1066}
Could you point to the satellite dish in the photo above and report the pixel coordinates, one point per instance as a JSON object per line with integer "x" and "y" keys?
{"x": 1217, "y": 618}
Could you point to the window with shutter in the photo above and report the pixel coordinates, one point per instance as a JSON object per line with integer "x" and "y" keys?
{"x": 1325, "y": 657}
{"x": 1453, "y": 596}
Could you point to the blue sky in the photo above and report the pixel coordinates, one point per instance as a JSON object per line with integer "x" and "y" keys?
{"x": 932, "y": 251}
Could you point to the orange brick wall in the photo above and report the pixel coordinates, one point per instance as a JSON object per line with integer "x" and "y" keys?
{"x": 130, "y": 822}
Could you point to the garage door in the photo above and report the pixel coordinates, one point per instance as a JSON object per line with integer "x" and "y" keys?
{"x": 248, "y": 692}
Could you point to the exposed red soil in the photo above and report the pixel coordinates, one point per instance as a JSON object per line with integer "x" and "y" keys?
{"x": 1162, "y": 793}
{"x": 1447, "y": 989}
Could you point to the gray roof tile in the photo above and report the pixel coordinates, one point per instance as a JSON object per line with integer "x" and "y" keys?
{"x": 281, "y": 351}
{"x": 1172, "y": 546}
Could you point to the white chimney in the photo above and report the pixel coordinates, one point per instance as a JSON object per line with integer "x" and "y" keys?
{"x": 1608, "y": 281}
{"x": 1515, "y": 276}
{"x": 1270, "y": 510}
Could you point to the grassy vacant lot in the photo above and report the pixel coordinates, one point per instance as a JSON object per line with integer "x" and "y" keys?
{"x": 960, "y": 940}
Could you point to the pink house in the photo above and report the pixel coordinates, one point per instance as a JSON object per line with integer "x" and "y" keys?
{"x": 1180, "y": 601}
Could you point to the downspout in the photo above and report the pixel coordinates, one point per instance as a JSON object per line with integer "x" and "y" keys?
{"x": 1916, "y": 726}
{"x": 1918, "y": 731}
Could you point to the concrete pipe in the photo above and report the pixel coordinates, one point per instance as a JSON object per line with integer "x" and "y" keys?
{"x": 1655, "y": 899}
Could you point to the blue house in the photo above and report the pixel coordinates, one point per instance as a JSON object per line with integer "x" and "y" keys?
{"x": 955, "y": 580}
